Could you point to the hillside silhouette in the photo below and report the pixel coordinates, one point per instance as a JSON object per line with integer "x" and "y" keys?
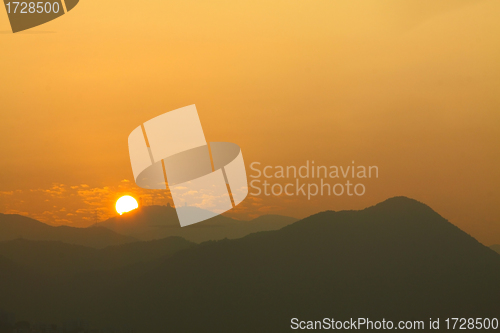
{"x": 156, "y": 222}
{"x": 496, "y": 248}
{"x": 397, "y": 260}
{"x": 57, "y": 258}
{"x": 21, "y": 227}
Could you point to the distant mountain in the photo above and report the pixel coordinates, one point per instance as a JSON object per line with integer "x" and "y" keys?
{"x": 57, "y": 258}
{"x": 156, "y": 222}
{"x": 496, "y": 248}
{"x": 398, "y": 260}
{"x": 16, "y": 226}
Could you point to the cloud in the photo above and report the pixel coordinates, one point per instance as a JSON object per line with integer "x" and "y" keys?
{"x": 81, "y": 204}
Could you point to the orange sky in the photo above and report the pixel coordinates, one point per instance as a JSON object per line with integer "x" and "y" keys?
{"x": 410, "y": 86}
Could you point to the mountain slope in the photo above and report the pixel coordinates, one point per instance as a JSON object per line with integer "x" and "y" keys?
{"x": 496, "y": 248}
{"x": 397, "y": 260}
{"x": 57, "y": 258}
{"x": 156, "y": 222}
{"x": 16, "y": 226}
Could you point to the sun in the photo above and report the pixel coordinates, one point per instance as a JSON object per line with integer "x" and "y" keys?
{"x": 126, "y": 204}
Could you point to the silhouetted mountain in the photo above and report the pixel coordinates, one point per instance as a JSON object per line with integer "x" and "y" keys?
{"x": 55, "y": 258}
{"x": 156, "y": 222}
{"x": 398, "y": 260}
{"x": 496, "y": 248}
{"x": 16, "y": 226}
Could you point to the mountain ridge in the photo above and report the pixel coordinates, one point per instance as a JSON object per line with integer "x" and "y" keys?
{"x": 156, "y": 222}
{"x": 398, "y": 259}
{"x": 14, "y": 227}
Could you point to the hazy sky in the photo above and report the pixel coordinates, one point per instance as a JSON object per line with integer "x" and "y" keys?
{"x": 410, "y": 86}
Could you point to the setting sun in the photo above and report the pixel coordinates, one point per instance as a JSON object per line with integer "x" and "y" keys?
{"x": 126, "y": 204}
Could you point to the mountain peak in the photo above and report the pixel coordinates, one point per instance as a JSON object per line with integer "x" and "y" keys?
{"x": 396, "y": 218}
{"x": 402, "y": 202}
